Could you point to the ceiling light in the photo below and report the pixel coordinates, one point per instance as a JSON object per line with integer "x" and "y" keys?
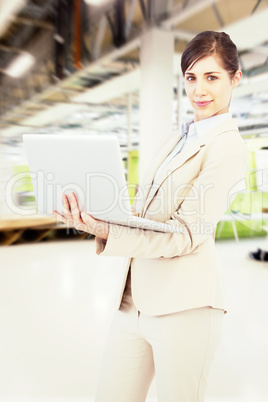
{"x": 96, "y": 2}
{"x": 20, "y": 65}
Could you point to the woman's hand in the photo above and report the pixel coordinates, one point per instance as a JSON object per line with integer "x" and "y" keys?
{"x": 134, "y": 212}
{"x": 80, "y": 221}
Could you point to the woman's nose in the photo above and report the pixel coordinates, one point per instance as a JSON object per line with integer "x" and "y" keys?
{"x": 200, "y": 88}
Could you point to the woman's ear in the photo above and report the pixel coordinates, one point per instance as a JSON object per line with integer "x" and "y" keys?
{"x": 237, "y": 78}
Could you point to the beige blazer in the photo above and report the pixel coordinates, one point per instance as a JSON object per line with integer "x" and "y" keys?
{"x": 171, "y": 272}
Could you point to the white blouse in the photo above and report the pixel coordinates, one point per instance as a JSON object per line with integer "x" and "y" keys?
{"x": 190, "y": 133}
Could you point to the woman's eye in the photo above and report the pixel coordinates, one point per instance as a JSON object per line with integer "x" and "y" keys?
{"x": 190, "y": 78}
{"x": 212, "y": 78}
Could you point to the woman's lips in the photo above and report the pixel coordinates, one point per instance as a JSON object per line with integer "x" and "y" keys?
{"x": 203, "y": 104}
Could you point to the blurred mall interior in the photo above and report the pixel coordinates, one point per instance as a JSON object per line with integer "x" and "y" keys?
{"x": 112, "y": 67}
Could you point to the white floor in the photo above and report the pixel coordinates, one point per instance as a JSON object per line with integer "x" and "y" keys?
{"x": 56, "y": 303}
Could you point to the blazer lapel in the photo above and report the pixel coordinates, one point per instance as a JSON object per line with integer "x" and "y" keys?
{"x": 180, "y": 158}
{"x": 174, "y": 164}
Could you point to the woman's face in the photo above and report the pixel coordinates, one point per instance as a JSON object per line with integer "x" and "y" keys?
{"x": 209, "y": 87}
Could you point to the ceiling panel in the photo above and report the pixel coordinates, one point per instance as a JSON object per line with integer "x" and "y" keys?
{"x": 234, "y": 10}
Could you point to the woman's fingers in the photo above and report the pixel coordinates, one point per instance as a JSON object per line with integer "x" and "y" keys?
{"x": 88, "y": 220}
{"x": 66, "y": 206}
{"x": 86, "y": 224}
{"x": 83, "y": 222}
{"x": 71, "y": 213}
{"x": 59, "y": 217}
{"x": 134, "y": 212}
{"x": 66, "y": 210}
{"x": 96, "y": 227}
{"x": 75, "y": 209}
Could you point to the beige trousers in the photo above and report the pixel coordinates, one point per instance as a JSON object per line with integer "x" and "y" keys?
{"x": 177, "y": 348}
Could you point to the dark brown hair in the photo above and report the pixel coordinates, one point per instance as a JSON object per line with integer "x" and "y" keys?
{"x": 208, "y": 43}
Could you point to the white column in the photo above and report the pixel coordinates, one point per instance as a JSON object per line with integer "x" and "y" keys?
{"x": 156, "y": 92}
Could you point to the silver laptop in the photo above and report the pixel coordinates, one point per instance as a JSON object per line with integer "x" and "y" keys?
{"x": 89, "y": 165}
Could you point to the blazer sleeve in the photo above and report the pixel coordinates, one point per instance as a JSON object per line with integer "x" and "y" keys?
{"x": 222, "y": 172}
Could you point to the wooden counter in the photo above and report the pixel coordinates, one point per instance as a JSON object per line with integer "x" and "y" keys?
{"x": 17, "y": 229}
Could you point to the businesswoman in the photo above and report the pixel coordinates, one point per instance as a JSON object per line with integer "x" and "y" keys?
{"x": 171, "y": 305}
